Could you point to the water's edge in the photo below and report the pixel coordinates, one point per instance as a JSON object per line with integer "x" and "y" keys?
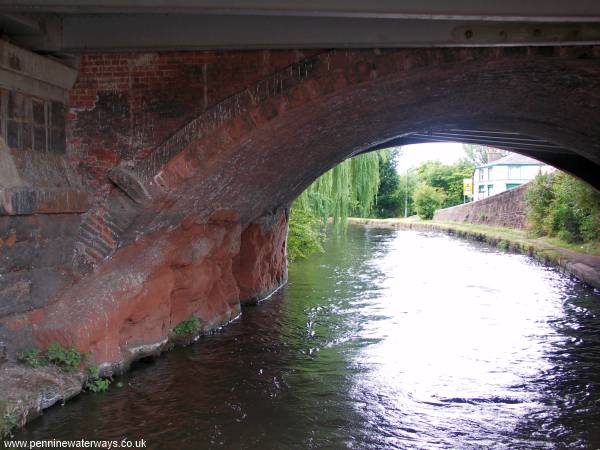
{"x": 48, "y": 386}
{"x": 390, "y": 338}
{"x": 568, "y": 262}
{"x": 55, "y": 386}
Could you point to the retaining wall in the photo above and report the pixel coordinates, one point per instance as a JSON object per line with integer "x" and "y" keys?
{"x": 507, "y": 209}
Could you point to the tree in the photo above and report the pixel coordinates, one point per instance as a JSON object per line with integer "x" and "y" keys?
{"x": 350, "y": 187}
{"x": 304, "y": 234}
{"x": 559, "y": 205}
{"x": 427, "y": 199}
{"x": 446, "y": 178}
{"x": 388, "y": 202}
{"x": 478, "y": 155}
{"x": 408, "y": 183}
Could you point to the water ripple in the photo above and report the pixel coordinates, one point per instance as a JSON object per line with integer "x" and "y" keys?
{"x": 390, "y": 340}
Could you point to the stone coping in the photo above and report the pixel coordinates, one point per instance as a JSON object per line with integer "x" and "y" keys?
{"x": 25, "y": 201}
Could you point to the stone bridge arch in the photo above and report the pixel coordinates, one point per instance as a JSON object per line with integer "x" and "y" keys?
{"x": 202, "y": 215}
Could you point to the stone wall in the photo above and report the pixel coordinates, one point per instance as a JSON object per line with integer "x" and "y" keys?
{"x": 167, "y": 200}
{"x": 200, "y": 269}
{"x": 507, "y": 209}
{"x": 42, "y": 197}
{"x": 261, "y": 266}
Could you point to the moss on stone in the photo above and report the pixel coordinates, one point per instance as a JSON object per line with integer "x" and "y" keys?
{"x": 8, "y": 419}
{"x": 189, "y": 326}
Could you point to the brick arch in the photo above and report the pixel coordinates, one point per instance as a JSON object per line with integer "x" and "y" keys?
{"x": 292, "y": 126}
{"x": 207, "y": 202}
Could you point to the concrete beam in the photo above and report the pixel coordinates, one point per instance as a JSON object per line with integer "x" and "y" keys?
{"x": 507, "y": 10}
{"x": 60, "y": 26}
{"x": 32, "y": 31}
{"x": 34, "y": 74}
{"x": 188, "y": 31}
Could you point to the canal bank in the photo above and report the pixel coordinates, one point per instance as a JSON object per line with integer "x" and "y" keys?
{"x": 373, "y": 344}
{"x": 585, "y": 267}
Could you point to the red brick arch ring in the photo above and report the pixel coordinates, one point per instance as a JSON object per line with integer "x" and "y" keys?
{"x": 261, "y": 148}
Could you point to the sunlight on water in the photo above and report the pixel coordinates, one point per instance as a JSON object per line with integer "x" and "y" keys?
{"x": 458, "y": 341}
{"x": 388, "y": 340}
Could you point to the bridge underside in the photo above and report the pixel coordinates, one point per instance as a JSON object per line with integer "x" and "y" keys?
{"x": 146, "y": 187}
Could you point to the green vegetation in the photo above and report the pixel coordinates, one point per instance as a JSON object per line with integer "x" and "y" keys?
{"x": 407, "y": 185}
{"x": 67, "y": 359}
{"x": 397, "y": 192}
{"x": 99, "y": 385}
{"x": 427, "y": 199}
{"x": 191, "y": 325}
{"x": 446, "y": 178}
{"x": 349, "y": 188}
{"x": 31, "y": 358}
{"x": 94, "y": 382}
{"x": 562, "y": 207}
{"x": 478, "y": 155}
{"x": 503, "y": 244}
{"x": 368, "y": 185}
{"x": 8, "y": 419}
{"x": 304, "y": 235}
{"x": 389, "y": 203}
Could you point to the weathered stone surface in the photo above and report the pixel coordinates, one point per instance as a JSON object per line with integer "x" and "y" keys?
{"x": 21, "y": 201}
{"x": 27, "y": 391}
{"x": 3, "y": 354}
{"x": 138, "y": 297}
{"x": 507, "y": 209}
{"x": 261, "y": 266}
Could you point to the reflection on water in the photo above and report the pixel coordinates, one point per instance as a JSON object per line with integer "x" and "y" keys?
{"x": 391, "y": 339}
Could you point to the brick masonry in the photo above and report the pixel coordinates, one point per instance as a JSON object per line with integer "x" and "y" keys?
{"x": 191, "y": 157}
{"x": 124, "y": 105}
{"x": 507, "y": 209}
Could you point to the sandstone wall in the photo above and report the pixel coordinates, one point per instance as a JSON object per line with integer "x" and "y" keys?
{"x": 132, "y": 303}
{"x": 507, "y": 209}
{"x": 261, "y": 265}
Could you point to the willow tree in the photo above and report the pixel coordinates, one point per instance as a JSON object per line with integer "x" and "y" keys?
{"x": 349, "y": 188}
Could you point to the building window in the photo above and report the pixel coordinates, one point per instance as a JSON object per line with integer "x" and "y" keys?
{"x": 514, "y": 172}
{"x": 490, "y": 187}
{"x": 490, "y": 173}
{"x": 512, "y": 185}
{"x": 481, "y": 188}
{"x": 481, "y": 174}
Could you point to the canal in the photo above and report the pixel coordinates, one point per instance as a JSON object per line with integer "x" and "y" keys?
{"x": 390, "y": 339}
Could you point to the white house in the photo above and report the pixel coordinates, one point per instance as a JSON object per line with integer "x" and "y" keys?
{"x": 506, "y": 173}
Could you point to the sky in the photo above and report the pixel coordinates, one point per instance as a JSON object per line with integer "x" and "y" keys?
{"x": 413, "y": 155}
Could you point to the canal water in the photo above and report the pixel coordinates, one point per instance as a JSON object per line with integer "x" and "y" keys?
{"x": 390, "y": 339}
